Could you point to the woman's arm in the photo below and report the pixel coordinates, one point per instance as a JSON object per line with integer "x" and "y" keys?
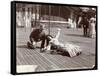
{"x": 58, "y": 33}
{"x": 48, "y": 47}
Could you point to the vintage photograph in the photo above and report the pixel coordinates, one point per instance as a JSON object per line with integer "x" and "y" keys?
{"x": 51, "y": 37}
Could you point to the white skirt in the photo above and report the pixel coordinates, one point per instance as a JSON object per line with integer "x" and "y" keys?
{"x": 73, "y": 49}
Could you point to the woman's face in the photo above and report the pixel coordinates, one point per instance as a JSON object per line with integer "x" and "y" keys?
{"x": 53, "y": 40}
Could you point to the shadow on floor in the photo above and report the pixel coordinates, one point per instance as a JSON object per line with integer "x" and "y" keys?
{"x": 75, "y": 35}
{"x": 21, "y": 46}
{"x": 24, "y": 46}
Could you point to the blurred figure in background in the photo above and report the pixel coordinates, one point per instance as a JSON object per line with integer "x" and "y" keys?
{"x": 85, "y": 24}
{"x": 92, "y": 25}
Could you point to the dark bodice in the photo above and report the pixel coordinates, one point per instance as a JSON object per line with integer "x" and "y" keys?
{"x": 38, "y": 34}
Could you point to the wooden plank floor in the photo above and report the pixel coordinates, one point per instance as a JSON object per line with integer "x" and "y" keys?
{"x": 49, "y": 62}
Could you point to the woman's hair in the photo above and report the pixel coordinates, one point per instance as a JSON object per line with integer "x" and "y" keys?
{"x": 42, "y": 26}
{"x": 49, "y": 37}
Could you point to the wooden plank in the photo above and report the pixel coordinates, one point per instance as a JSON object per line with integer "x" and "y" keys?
{"x": 52, "y": 62}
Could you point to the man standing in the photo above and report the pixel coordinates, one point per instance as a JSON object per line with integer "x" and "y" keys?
{"x": 85, "y": 24}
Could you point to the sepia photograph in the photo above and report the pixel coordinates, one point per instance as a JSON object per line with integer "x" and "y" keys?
{"x": 55, "y": 37}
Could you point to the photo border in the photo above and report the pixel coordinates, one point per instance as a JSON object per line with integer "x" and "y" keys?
{"x": 13, "y": 37}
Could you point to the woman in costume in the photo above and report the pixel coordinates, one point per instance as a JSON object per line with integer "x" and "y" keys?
{"x": 68, "y": 49}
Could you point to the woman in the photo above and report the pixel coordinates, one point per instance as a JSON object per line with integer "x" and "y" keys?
{"x": 92, "y": 24}
{"x": 60, "y": 48}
